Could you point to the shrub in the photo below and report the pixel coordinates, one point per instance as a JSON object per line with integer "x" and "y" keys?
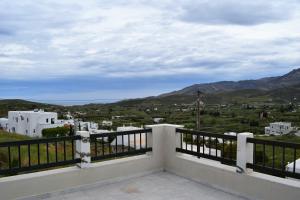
{"x": 55, "y": 132}
{"x": 254, "y": 123}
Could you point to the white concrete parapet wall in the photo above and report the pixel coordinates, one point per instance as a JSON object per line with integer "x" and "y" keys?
{"x": 83, "y": 149}
{"x": 244, "y": 153}
{"x": 163, "y": 141}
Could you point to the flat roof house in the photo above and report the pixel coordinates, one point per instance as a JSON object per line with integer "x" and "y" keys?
{"x": 279, "y": 128}
{"x": 31, "y": 123}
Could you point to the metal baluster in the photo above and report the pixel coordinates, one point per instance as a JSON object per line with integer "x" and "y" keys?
{"x": 38, "y": 150}
{"x": 273, "y": 156}
{"x": 29, "y": 160}
{"x": 122, "y": 142}
{"x": 109, "y": 146}
{"x": 140, "y": 141}
{"x": 9, "y": 158}
{"x": 103, "y": 152}
{"x": 230, "y": 156}
{"x": 134, "y": 142}
{"x": 56, "y": 157}
{"x": 198, "y": 146}
{"x": 19, "y": 153}
{"x": 264, "y": 153}
{"x": 209, "y": 145}
{"x": 96, "y": 148}
{"x": 181, "y": 140}
{"x": 186, "y": 141}
{"x": 47, "y": 147}
{"x": 203, "y": 139}
{"x": 216, "y": 144}
{"x": 128, "y": 137}
{"x": 192, "y": 142}
{"x": 283, "y": 159}
{"x": 116, "y": 149}
{"x": 72, "y": 149}
{"x": 223, "y": 148}
{"x": 65, "y": 155}
{"x": 295, "y": 157}
{"x": 254, "y": 153}
{"x": 146, "y": 138}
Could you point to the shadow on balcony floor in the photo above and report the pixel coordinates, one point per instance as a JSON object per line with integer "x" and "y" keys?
{"x": 160, "y": 186}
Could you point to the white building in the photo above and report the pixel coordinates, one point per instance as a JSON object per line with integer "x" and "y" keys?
{"x": 4, "y": 123}
{"x": 279, "y": 128}
{"x": 290, "y": 166}
{"x": 202, "y": 149}
{"x": 106, "y": 123}
{"x": 158, "y": 120}
{"x": 88, "y": 126}
{"x": 32, "y": 123}
{"x": 139, "y": 142}
{"x": 231, "y": 133}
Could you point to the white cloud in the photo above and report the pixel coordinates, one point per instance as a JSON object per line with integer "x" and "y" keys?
{"x": 14, "y": 50}
{"x": 146, "y": 38}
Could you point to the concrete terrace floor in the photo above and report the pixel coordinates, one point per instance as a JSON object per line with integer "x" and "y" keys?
{"x": 156, "y": 186}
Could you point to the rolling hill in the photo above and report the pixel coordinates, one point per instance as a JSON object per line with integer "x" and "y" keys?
{"x": 264, "y": 84}
{"x": 281, "y": 89}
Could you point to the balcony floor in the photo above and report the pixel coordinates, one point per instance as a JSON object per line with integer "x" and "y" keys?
{"x": 160, "y": 186}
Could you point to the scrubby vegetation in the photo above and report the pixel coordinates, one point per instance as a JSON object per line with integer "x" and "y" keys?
{"x": 56, "y": 132}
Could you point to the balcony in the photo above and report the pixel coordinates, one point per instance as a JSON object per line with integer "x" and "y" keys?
{"x": 160, "y": 168}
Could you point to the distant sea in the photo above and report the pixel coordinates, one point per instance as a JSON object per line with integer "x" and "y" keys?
{"x": 77, "y": 102}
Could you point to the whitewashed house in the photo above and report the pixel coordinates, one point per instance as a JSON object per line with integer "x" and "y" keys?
{"x": 158, "y": 120}
{"x": 139, "y": 142}
{"x": 290, "y": 166}
{"x": 88, "y": 126}
{"x": 4, "y": 123}
{"x": 32, "y": 123}
{"x": 106, "y": 123}
{"x": 279, "y": 128}
{"x": 202, "y": 149}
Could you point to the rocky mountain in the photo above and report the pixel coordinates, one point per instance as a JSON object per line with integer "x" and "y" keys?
{"x": 264, "y": 84}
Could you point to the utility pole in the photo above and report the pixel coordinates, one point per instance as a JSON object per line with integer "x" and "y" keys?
{"x": 198, "y": 109}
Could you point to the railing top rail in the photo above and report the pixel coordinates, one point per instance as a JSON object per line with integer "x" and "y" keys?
{"x": 273, "y": 142}
{"x": 118, "y": 133}
{"x": 208, "y": 134}
{"x": 39, "y": 141}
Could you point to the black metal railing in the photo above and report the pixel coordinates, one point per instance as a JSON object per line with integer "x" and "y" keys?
{"x": 37, "y": 154}
{"x": 275, "y": 157}
{"x": 208, "y": 145}
{"x": 119, "y": 144}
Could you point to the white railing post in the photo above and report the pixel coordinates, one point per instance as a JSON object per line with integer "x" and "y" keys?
{"x": 83, "y": 149}
{"x": 244, "y": 152}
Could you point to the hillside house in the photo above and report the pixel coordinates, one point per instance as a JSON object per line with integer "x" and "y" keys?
{"x": 31, "y": 123}
{"x": 88, "y": 126}
{"x": 107, "y": 123}
{"x": 279, "y": 128}
{"x": 4, "y": 123}
{"x": 134, "y": 140}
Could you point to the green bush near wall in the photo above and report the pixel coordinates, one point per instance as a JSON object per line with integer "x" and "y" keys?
{"x": 56, "y": 132}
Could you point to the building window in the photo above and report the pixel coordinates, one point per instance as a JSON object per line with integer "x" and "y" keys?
{"x": 52, "y": 120}
{"x": 27, "y": 120}
{"x": 33, "y": 130}
{"x": 47, "y": 120}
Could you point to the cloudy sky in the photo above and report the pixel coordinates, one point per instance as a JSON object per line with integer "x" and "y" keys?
{"x": 114, "y": 49}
